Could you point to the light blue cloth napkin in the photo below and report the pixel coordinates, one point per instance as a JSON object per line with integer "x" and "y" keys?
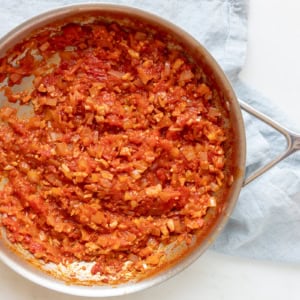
{"x": 266, "y": 220}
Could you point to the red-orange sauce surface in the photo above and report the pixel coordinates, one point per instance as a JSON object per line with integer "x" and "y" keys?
{"x": 124, "y": 152}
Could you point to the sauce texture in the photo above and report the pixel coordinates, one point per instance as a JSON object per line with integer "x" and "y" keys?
{"x": 124, "y": 151}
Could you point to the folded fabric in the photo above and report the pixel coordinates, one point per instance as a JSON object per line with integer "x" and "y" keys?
{"x": 265, "y": 221}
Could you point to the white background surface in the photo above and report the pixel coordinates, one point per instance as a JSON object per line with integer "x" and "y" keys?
{"x": 273, "y": 68}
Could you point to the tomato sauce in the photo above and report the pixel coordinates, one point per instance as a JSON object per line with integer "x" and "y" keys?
{"x": 124, "y": 152}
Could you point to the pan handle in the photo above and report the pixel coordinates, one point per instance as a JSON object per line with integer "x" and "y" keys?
{"x": 292, "y": 139}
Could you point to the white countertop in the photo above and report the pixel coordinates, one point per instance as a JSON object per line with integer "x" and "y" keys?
{"x": 273, "y": 68}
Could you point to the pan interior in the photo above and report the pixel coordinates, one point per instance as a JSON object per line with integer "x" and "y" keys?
{"x": 179, "y": 255}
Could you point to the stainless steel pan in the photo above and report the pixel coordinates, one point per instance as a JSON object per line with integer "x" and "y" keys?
{"x": 37, "y": 271}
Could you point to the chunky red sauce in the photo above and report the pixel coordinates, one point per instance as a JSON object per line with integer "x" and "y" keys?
{"x": 124, "y": 152}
